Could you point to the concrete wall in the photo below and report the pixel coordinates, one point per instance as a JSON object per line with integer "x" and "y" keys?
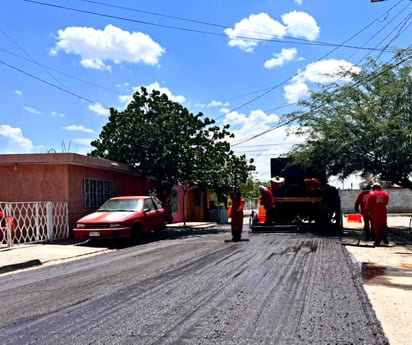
{"x": 400, "y": 200}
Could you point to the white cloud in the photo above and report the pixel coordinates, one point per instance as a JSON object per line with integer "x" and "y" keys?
{"x": 257, "y": 26}
{"x": 269, "y": 145}
{"x": 16, "y": 142}
{"x": 257, "y": 120}
{"x": 154, "y": 86}
{"x": 126, "y": 98}
{"x": 321, "y": 72}
{"x": 78, "y": 128}
{"x": 99, "y": 109}
{"x": 19, "y": 93}
{"x": 95, "y": 64}
{"x": 261, "y": 26}
{"x": 55, "y": 113}
{"x": 217, "y": 104}
{"x": 224, "y": 110}
{"x": 281, "y": 58}
{"x": 166, "y": 91}
{"x": 301, "y": 24}
{"x": 82, "y": 145}
{"x": 83, "y": 142}
{"x": 296, "y": 90}
{"x": 97, "y": 47}
{"x": 32, "y": 110}
{"x": 327, "y": 71}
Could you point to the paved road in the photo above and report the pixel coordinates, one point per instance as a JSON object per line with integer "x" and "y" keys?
{"x": 274, "y": 289}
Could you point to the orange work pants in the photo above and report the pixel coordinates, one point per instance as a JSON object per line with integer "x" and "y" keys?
{"x": 379, "y": 227}
{"x": 237, "y": 224}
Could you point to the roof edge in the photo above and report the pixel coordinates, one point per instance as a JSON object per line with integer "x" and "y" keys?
{"x": 65, "y": 158}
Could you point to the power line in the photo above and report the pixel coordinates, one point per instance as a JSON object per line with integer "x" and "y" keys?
{"x": 294, "y": 40}
{"x": 29, "y": 56}
{"x": 284, "y": 82}
{"x": 290, "y": 78}
{"x": 50, "y": 84}
{"x": 61, "y": 73}
{"x": 294, "y": 118}
{"x": 200, "y": 31}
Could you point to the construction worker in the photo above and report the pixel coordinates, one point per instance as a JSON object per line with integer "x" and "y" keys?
{"x": 360, "y": 202}
{"x": 277, "y": 186}
{"x": 268, "y": 201}
{"x": 312, "y": 186}
{"x": 376, "y": 205}
{"x": 238, "y": 203}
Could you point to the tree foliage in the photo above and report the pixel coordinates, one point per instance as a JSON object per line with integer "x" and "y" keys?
{"x": 162, "y": 139}
{"x": 362, "y": 126}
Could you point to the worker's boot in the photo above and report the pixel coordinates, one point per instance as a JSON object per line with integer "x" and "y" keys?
{"x": 367, "y": 235}
{"x": 235, "y": 236}
{"x": 385, "y": 237}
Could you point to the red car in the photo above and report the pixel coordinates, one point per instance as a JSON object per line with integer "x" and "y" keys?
{"x": 122, "y": 217}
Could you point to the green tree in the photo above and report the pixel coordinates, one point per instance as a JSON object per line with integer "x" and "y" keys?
{"x": 162, "y": 139}
{"x": 362, "y": 126}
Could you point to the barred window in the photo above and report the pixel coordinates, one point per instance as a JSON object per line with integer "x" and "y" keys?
{"x": 96, "y": 192}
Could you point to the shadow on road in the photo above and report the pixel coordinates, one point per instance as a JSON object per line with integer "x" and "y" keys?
{"x": 168, "y": 234}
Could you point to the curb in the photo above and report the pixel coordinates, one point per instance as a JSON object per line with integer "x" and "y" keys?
{"x": 20, "y": 265}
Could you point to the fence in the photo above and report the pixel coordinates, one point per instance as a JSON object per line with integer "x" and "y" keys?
{"x": 26, "y": 222}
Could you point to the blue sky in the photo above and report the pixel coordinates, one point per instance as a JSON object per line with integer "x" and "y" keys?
{"x": 242, "y": 62}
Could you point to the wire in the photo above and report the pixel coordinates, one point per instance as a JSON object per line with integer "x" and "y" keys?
{"x": 284, "y": 82}
{"x": 294, "y": 40}
{"x": 272, "y": 128}
{"x": 62, "y": 73}
{"x": 29, "y": 56}
{"x": 266, "y": 91}
{"x": 50, "y": 84}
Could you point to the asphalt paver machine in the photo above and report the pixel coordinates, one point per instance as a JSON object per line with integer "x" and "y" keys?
{"x": 297, "y": 208}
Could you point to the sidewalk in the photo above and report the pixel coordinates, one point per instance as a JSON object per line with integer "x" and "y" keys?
{"x": 30, "y": 255}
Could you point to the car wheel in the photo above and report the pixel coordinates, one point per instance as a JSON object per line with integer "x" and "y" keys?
{"x": 159, "y": 230}
{"x": 136, "y": 232}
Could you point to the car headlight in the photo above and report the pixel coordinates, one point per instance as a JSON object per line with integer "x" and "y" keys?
{"x": 115, "y": 225}
{"x": 78, "y": 225}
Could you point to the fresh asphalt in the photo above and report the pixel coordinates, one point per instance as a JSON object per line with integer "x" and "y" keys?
{"x": 22, "y": 256}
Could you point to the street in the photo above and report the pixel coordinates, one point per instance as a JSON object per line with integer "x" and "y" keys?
{"x": 196, "y": 289}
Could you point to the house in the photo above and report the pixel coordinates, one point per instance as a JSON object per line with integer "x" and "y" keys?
{"x": 83, "y": 182}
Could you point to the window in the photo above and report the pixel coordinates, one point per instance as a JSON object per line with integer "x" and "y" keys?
{"x": 148, "y": 205}
{"x": 96, "y": 192}
{"x": 157, "y": 205}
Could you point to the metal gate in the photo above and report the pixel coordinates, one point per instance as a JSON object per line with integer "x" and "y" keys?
{"x": 26, "y": 222}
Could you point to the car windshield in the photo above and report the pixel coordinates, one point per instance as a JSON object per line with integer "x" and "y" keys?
{"x": 122, "y": 205}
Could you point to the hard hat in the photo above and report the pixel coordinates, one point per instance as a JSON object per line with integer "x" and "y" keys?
{"x": 376, "y": 185}
{"x": 366, "y": 186}
{"x": 278, "y": 179}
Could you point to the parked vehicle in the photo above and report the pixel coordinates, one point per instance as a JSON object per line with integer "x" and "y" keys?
{"x": 122, "y": 217}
